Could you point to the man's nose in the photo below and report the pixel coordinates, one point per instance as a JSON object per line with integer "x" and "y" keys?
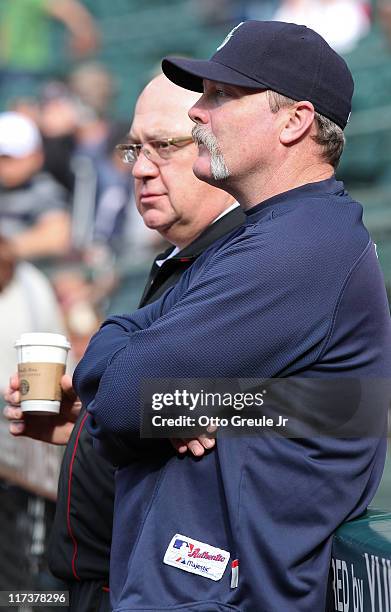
{"x": 197, "y": 113}
{"x": 144, "y": 167}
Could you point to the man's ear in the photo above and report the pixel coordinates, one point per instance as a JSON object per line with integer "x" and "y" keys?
{"x": 299, "y": 119}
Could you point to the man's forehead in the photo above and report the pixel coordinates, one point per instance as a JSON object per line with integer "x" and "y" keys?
{"x": 155, "y": 125}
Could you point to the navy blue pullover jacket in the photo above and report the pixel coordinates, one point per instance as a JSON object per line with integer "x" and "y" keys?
{"x": 80, "y": 539}
{"x": 297, "y": 290}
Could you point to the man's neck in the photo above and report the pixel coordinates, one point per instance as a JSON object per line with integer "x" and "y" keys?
{"x": 251, "y": 193}
{"x": 182, "y": 236}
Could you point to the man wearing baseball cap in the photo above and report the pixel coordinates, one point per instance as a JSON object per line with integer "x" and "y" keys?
{"x": 296, "y": 292}
{"x": 33, "y": 207}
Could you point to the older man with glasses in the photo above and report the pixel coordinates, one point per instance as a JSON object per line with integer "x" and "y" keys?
{"x": 191, "y": 216}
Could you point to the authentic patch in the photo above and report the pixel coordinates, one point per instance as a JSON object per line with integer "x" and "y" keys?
{"x": 196, "y": 557}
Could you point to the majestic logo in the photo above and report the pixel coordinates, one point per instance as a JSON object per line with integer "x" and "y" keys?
{"x": 231, "y": 33}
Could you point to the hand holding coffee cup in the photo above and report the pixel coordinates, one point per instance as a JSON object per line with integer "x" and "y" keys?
{"x": 41, "y": 365}
{"x": 53, "y": 428}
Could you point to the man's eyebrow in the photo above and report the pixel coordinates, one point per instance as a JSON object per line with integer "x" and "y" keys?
{"x": 152, "y": 136}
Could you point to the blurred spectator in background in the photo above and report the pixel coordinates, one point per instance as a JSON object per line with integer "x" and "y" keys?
{"x": 56, "y": 112}
{"x": 341, "y": 22}
{"x": 58, "y": 121}
{"x": 25, "y": 40}
{"x": 27, "y": 304}
{"x": 115, "y": 189}
{"x": 93, "y": 164}
{"x": 33, "y": 208}
{"x": 94, "y": 86}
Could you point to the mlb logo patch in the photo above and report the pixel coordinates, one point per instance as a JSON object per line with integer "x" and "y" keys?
{"x": 183, "y": 548}
{"x": 196, "y": 557}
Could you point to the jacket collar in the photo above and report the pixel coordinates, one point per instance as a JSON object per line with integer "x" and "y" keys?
{"x": 293, "y": 197}
{"x": 222, "y": 226}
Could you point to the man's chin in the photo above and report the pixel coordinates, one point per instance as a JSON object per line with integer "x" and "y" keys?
{"x": 154, "y": 225}
{"x": 155, "y": 222}
{"x": 201, "y": 169}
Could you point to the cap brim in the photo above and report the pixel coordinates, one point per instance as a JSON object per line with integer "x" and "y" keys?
{"x": 9, "y": 152}
{"x": 189, "y": 74}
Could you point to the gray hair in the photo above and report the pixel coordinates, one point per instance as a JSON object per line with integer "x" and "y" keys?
{"x": 329, "y": 135}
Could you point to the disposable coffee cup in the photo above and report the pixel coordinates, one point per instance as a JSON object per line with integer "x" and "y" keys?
{"x": 41, "y": 364}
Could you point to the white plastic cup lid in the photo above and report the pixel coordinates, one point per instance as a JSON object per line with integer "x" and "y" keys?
{"x": 43, "y": 339}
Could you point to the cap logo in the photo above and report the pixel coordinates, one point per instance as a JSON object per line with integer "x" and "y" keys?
{"x": 226, "y": 39}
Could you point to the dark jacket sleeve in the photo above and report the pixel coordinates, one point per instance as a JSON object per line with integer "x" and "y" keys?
{"x": 209, "y": 325}
{"x": 253, "y": 308}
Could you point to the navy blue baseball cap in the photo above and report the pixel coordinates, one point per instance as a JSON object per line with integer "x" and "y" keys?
{"x": 290, "y": 59}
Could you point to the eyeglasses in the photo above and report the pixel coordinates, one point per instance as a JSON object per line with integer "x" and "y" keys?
{"x": 154, "y": 150}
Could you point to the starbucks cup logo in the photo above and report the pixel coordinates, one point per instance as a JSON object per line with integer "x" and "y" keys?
{"x": 24, "y": 387}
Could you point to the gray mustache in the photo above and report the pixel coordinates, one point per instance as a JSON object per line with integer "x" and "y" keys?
{"x": 202, "y": 135}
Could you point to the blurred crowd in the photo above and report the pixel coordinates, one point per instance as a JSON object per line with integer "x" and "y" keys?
{"x": 67, "y": 215}
{"x": 341, "y": 22}
{"x": 68, "y": 221}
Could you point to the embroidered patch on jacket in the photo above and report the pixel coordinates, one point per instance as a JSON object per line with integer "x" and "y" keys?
{"x": 196, "y": 557}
